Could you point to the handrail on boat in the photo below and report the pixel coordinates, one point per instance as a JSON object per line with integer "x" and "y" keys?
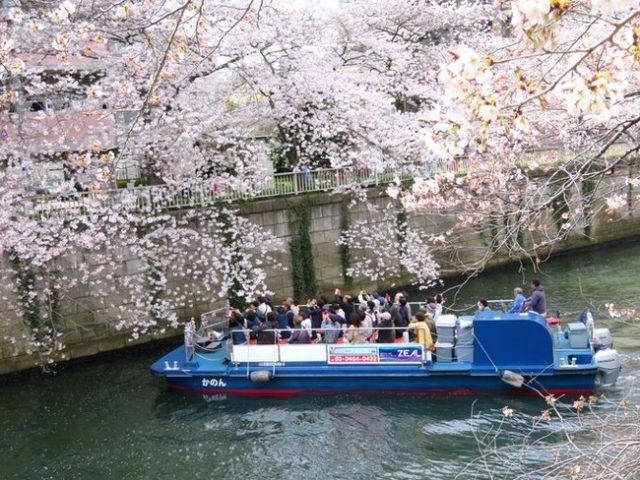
{"x": 215, "y": 322}
{"x": 210, "y": 323}
{"x": 424, "y": 357}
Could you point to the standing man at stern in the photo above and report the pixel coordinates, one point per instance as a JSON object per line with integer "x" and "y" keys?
{"x": 537, "y": 302}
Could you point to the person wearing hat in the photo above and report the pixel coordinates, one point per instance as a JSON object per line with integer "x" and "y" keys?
{"x": 385, "y": 325}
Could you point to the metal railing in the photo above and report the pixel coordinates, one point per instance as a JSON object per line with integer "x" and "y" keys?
{"x": 217, "y": 321}
{"x": 336, "y": 349}
{"x": 210, "y": 323}
{"x": 203, "y": 194}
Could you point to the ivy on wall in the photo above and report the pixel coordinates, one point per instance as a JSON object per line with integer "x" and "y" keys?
{"x": 39, "y": 317}
{"x": 26, "y": 289}
{"x": 302, "y": 264}
{"x": 235, "y": 300}
{"x": 345, "y": 250}
{"x": 559, "y": 207}
{"x": 401, "y": 223}
{"x": 587, "y": 189}
{"x": 53, "y": 296}
{"x": 401, "y": 232}
{"x": 630, "y": 190}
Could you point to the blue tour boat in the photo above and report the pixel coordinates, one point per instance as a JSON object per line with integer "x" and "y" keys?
{"x": 491, "y": 352}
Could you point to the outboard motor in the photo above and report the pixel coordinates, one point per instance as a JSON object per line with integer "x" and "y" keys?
{"x": 601, "y": 339}
{"x": 608, "y": 363}
{"x": 605, "y": 357}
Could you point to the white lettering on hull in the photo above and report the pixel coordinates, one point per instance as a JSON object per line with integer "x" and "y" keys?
{"x": 213, "y": 382}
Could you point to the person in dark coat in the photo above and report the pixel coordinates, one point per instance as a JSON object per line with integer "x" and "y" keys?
{"x": 396, "y": 318}
{"x": 315, "y": 314}
{"x": 385, "y": 335}
{"x": 537, "y": 302}
{"x": 283, "y": 322}
{"x": 345, "y": 302}
{"x": 405, "y": 312}
{"x": 405, "y": 317}
{"x": 237, "y": 333}
{"x": 267, "y": 331}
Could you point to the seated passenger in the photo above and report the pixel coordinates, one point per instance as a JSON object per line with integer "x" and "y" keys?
{"x": 483, "y": 305}
{"x": 518, "y": 301}
{"x": 370, "y": 318}
{"x": 355, "y": 332}
{"x": 251, "y": 316}
{"x": 263, "y": 307}
{"x": 385, "y": 330}
{"x": 283, "y": 322}
{"x": 299, "y": 334}
{"x": 331, "y": 327}
{"x": 423, "y": 334}
{"x": 295, "y": 308}
{"x": 237, "y": 333}
{"x": 430, "y": 305}
{"x": 306, "y": 324}
{"x": 267, "y": 331}
{"x": 339, "y": 312}
{"x": 439, "y": 300}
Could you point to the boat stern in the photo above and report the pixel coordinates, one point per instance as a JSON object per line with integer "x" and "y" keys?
{"x": 171, "y": 362}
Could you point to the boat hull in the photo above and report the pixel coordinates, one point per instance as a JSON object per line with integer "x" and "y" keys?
{"x": 511, "y": 354}
{"x": 427, "y": 384}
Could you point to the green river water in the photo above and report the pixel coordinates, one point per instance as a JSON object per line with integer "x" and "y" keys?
{"x": 113, "y": 420}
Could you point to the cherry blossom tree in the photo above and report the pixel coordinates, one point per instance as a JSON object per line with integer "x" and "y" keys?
{"x": 206, "y": 94}
{"x": 199, "y": 94}
{"x": 560, "y": 76}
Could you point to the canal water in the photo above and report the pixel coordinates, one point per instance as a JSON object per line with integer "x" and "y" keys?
{"x": 113, "y": 420}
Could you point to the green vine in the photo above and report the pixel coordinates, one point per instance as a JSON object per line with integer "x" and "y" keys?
{"x": 229, "y": 234}
{"x": 587, "y": 189}
{"x": 152, "y": 277}
{"x": 302, "y": 263}
{"x": 629, "y": 191}
{"x": 155, "y": 287}
{"x": 53, "y": 296}
{"x": 401, "y": 223}
{"x": 345, "y": 250}
{"x": 26, "y": 285}
{"x": 559, "y": 207}
{"x": 401, "y": 232}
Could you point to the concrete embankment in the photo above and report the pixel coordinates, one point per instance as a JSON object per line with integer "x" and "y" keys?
{"x": 87, "y": 321}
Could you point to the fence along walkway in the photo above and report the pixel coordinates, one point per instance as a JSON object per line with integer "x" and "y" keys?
{"x": 203, "y": 194}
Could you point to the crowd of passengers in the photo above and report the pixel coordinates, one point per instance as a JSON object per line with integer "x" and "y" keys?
{"x": 367, "y": 318}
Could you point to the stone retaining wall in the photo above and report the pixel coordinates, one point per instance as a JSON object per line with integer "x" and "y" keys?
{"x": 88, "y": 326}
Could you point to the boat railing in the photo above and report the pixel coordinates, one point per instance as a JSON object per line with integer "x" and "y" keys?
{"x": 213, "y": 326}
{"x": 504, "y": 303}
{"x": 318, "y": 350}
